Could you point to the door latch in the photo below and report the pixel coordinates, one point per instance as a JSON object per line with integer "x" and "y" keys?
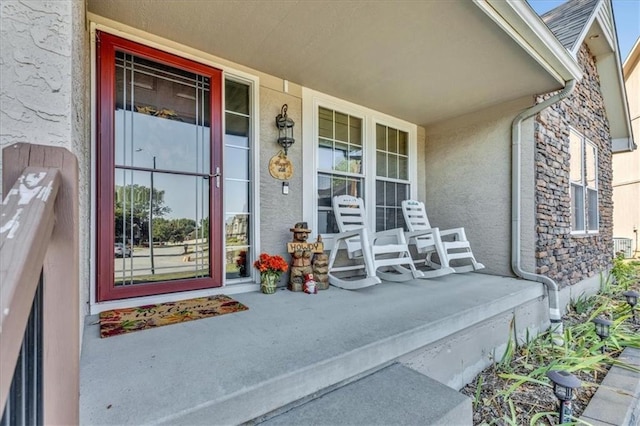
{"x": 217, "y": 176}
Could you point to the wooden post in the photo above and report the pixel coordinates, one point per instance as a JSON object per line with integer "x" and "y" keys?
{"x": 61, "y": 363}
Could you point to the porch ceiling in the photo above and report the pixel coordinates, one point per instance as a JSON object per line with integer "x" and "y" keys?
{"x": 419, "y": 61}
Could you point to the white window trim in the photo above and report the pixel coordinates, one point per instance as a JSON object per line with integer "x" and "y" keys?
{"x": 586, "y": 189}
{"x": 583, "y": 143}
{"x": 311, "y": 101}
{"x": 98, "y": 23}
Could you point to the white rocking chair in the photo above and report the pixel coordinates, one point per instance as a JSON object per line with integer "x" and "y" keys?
{"x": 369, "y": 251}
{"x": 429, "y": 241}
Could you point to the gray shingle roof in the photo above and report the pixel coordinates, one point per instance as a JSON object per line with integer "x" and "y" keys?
{"x": 567, "y": 21}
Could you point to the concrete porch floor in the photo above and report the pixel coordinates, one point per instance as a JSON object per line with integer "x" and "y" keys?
{"x": 287, "y": 346}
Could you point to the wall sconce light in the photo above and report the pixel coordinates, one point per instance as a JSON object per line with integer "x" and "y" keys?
{"x": 563, "y": 385}
{"x": 632, "y": 300}
{"x": 602, "y": 330}
{"x": 285, "y": 129}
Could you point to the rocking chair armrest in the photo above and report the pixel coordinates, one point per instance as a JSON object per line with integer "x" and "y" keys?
{"x": 398, "y": 233}
{"x": 422, "y": 233}
{"x": 458, "y": 233}
{"x": 347, "y": 234}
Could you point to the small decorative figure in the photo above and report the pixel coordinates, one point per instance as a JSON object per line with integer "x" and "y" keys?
{"x": 301, "y": 254}
{"x": 310, "y": 284}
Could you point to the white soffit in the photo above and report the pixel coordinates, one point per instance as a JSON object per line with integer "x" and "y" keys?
{"x": 419, "y": 61}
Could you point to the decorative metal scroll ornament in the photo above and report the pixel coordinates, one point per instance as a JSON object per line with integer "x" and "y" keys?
{"x": 280, "y": 167}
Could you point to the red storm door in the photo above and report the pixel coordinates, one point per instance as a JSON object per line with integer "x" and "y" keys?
{"x": 159, "y": 165}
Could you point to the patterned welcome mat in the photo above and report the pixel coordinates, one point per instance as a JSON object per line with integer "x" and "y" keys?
{"x": 119, "y": 321}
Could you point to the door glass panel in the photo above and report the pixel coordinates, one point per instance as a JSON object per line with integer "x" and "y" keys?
{"x": 237, "y": 130}
{"x": 237, "y": 163}
{"x": 162, "y": 142}
{"x": 236, "y": 196}
{"x": 161, "y": 112}
{"x": 236, "y": 97}
{"x": 161, "y": 227}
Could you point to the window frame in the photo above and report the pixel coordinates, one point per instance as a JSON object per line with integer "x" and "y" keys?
{"x": 311, "y": 102}
{"x": 584, "y": 145}
{"x": 254, "y": 178}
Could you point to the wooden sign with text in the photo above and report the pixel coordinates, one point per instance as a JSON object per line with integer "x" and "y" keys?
{"x": 317, "y": 247}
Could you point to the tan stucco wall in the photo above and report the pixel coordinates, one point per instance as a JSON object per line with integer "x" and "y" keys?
{"x": 626, "y": 169}
{"x": 278, "y": 212}
{"x": 468, "y": 181}
{"x": 422, "y": 165}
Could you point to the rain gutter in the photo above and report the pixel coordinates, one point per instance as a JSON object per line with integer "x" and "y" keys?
{"x": 516, "y": 219}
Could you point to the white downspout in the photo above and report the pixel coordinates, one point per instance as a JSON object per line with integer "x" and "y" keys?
{"x": 516, "y": 178}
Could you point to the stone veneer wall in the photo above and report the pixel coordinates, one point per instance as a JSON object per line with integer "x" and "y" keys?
{"x": 561, "y": 256}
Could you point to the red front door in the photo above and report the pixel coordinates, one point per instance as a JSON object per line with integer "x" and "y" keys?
{"x": 159, "y": 165}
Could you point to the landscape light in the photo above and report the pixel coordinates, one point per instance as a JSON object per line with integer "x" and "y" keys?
{"x": 563, "y": 385}
{"x": 602, "y": 329}
{"x": 632, "y": 300}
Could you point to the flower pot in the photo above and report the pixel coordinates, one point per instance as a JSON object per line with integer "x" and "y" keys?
{"x": 268, "y": 283}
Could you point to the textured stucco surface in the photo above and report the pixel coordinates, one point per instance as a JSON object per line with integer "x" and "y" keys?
{"x": 43, "y": 90}
{"x": 279, "y": 212}
{"x": 564, "y": 257}
{"x": 421, "y": 162}
{"x": 468, "y": 180}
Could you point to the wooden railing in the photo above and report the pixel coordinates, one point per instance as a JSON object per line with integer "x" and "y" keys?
{"x": 39, "y": 279}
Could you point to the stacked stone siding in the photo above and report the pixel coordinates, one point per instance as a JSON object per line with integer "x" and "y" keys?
{"x": 561, "y": 256}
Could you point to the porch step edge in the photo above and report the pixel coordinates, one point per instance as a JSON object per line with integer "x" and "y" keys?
{"x": 255, "y": 401}
{"x": 393, "y": 395}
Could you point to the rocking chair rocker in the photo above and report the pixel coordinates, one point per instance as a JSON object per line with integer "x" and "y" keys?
{"x": 383, "y": 254}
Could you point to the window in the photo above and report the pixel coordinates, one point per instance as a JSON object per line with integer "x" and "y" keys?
{"x": 238, "y": 179}
{"x": 392, "y": 176}
{"x": 339, "y": 162}
{"x": 359, "y": 152}
{"x": 584, "y": 184}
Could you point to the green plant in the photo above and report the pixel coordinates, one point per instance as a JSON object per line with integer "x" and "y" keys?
{"x": 476, "y": 399}
{"x": 505, "y": 362}
{"x": 582, "y": 304}
{"x": 623, "y": 272}
{"x": 523, "y": 366}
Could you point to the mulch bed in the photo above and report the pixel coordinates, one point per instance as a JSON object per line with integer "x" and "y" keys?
{"x": 529, "y": 399}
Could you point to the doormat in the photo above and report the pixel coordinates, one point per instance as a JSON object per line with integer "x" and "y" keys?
{"x": 120, "y": 321}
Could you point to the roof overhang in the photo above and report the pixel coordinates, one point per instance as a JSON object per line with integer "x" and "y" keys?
{"x": 600, "y": 36}
{"x": 422, "y": 62}
{"x": 632, "y": 60}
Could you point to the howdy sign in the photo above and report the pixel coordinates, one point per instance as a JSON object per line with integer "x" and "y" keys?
{"x": 317, "y": 247}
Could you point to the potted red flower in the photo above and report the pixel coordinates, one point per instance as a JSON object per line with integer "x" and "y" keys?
{"x": 271, "y": 268}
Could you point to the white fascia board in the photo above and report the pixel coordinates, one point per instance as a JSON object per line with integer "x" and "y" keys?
{"x": 632, "y": 58}
{"x": 623, "y": 145}
{"x": 524, "y": 26}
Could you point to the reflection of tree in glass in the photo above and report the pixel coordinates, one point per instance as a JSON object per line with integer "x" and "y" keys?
{"x": 204, "y": 228}
{"x": 132, "y": 207}
{"x": 172, "y": 230}
{"x": 348, "y": 185}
